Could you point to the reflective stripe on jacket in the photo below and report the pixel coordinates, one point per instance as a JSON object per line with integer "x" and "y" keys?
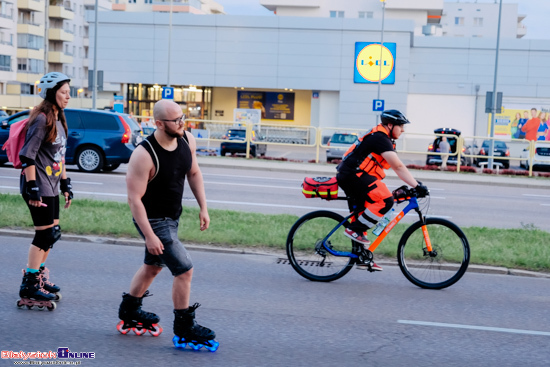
{"x": 373, "y": 164}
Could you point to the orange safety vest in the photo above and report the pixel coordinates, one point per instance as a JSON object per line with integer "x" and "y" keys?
{"x": 374, "y": 164}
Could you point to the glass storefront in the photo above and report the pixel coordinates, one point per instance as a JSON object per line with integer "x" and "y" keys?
{"x": 196, "y": 102}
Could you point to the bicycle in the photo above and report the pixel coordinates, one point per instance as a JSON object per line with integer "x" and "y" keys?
{"x": 433, "y": 253}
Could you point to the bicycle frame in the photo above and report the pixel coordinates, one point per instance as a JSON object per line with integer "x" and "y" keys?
{"x": 412, "y": 205}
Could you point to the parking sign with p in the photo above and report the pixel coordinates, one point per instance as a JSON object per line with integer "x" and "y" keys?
{"x": 167, "y": 93}
{"x": 378, "y": 105}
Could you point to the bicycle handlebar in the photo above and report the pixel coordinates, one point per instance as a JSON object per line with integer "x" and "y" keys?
{"x": 404, "y": 193}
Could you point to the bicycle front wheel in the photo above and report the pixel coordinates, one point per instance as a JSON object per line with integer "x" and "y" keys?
{"x": 442, "y": 267}
{"x": 309, "y": 257}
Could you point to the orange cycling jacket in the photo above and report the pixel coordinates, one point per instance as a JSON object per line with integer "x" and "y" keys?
{"x": 373, "y": 164}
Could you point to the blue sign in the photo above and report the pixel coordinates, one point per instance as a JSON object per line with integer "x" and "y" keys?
{"x": 315, "y": 95}
{"x": 167, "y": 93}
{"x": 374, "y": 62}
{"x": 118, "y": 98}
{"x": 378, "y": 105}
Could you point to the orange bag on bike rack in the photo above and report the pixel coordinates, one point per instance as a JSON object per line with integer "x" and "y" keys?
{"x": 320, "y": 187}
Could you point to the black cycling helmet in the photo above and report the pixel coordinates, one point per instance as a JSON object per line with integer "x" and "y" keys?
{"x": 394, "y": 117}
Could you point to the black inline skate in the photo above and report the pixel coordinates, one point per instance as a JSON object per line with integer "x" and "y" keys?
{"x": 188, "y": 332}
{"x": 47, "y": 285}
{"x": 32, "y": 294}
{"x": 133, "y": 318}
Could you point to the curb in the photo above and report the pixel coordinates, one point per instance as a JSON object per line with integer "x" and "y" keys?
{"x": 205, "y": 248}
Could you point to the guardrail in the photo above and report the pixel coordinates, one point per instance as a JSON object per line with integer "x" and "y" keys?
{"x": 311, "y": 136}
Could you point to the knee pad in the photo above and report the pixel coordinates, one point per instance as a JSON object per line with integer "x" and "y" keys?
{"x": 45, "y": 238}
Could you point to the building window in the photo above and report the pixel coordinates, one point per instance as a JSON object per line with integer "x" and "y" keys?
{"x": 5, "y": 62}
{"x": 336, "y": 14}
{"x": 478, "y": 22}
{"x": 31, "y": 66}
{"x": 31, "y": 41}
{"x": 27, "y": 88}
{"x": 366, "y": 14}
{"x": 459, "y": 20}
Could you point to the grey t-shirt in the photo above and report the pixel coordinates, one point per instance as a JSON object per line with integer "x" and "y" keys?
{"x": 49, "y": 157}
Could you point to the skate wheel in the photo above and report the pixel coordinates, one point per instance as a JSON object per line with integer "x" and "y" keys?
{"x": 20, "y": 304}
{"x": 52, "y": 307}
{"x": 157, "y": 331}
{"x": 29, "y": 307}
{"x": 41, "y": 308}
{"x": 120, "y": 328}
{"x": 178, "y": 342}
{"x": 139, "y": 331}
{"x": 58, "y": 296}
{"x": 195, "y": 346}
{"x": 213, "y": 347}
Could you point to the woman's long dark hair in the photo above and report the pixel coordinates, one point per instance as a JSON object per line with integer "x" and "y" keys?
{"x": 47, "y": 108}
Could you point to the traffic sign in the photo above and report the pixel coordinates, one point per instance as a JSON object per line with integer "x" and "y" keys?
{"x": 167, "y": 93}
{"x": 378, "y": 105}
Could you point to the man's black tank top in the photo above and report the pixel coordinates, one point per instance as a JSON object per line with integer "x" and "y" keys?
{"x": 164, "y": 192}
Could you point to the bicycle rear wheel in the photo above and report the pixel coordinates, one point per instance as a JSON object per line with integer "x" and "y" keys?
{"x": 445, "y": 265}
{"x": 309, "y": 257}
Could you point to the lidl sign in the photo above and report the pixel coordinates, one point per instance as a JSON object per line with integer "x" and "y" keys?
{"x": 370, "y": 67}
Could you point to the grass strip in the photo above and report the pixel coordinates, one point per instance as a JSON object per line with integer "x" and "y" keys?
{"x": 524, "y": 248}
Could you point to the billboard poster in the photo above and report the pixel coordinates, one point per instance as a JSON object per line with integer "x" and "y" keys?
{"x": 522, "y": 122}
{"x": 242, "y": 116}
{"x": 273, "y": 105}
{"x": 370, "y": 67}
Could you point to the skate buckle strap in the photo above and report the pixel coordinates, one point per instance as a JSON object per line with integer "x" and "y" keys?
{"x": 194, "y": 307}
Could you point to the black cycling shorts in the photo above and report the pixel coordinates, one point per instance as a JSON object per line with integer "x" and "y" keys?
{"x": 44, "y": 215}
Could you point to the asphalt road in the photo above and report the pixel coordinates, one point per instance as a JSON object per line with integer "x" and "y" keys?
{"x": 270, "y": 192}
{"x": 264, "y": 314}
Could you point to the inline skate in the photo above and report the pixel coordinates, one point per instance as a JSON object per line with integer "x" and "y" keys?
{"x": 33, "y": 294}
{"x": 188, "y": 332}
{"x": 133, "y": 318}
{"x": 44, "y": 274}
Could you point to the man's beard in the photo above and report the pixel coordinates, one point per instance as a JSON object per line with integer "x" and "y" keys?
{"x": 175, "y": 134}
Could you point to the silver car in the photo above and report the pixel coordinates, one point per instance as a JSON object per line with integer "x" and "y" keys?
{"x": 338, "y": 144}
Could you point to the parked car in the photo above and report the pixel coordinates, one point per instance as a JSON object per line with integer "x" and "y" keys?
{"x": 500, "y": 150}
{"x": 236, "y": 142}
{"x": 98, "y": 140}
{"x": 3, "y": 115}
{"x": 339, "y": 144}
{"x": 452, "y": 137}
{"x": 541, "y": 160}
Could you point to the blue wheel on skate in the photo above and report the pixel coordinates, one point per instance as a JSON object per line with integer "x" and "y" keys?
{"x": 178, "y": 343}
{"x": 214, "y": 346}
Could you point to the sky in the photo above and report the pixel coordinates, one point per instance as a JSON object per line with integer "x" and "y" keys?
{"x": 537, "y": 11}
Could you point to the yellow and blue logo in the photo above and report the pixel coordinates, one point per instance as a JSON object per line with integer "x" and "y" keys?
{"x": 370, "y": 67}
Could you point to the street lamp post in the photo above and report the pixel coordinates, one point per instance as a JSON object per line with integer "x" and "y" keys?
{"x": 94, "y": 91}
{"x": 494, "y": 106}
{"x": 381, "y": 51}
{"x": 169, "y": 44}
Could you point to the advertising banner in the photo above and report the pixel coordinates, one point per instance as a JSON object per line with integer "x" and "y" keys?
{"x": 519, "y": 121}
{"x": 369, "y": 67}
{"x": 273, "y": 105}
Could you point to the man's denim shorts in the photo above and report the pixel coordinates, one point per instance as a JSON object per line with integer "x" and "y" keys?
{"x": 174, "y": 256}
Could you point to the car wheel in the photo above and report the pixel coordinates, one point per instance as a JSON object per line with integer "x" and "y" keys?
{"x": 111, "y": 167}
{"x": 89, "y": 159}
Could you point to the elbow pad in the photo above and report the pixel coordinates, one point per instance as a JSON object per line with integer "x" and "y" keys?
{"x": 26, "y": 162}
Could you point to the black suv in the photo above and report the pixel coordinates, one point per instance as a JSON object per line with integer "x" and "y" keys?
{"x": 98, "y": 140}
{"x": 500, "y": 150}
{"x": 236, "y": 143}
{"x": 452, "y": 137}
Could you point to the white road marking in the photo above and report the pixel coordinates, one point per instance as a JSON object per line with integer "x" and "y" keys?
{"x": 253, "y": 185}
{"x": 537, "y": 196}
{"x": 255, "y": 177}
{"x": 473, "y": 327}
{"x": 72, "y": 181}
{"x": 276, "y": 205}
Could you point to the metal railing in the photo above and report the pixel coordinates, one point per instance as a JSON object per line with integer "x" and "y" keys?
{"x": 312, "y": 137}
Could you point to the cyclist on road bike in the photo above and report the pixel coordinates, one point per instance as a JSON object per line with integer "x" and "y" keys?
{"x": 361, "y": 173}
